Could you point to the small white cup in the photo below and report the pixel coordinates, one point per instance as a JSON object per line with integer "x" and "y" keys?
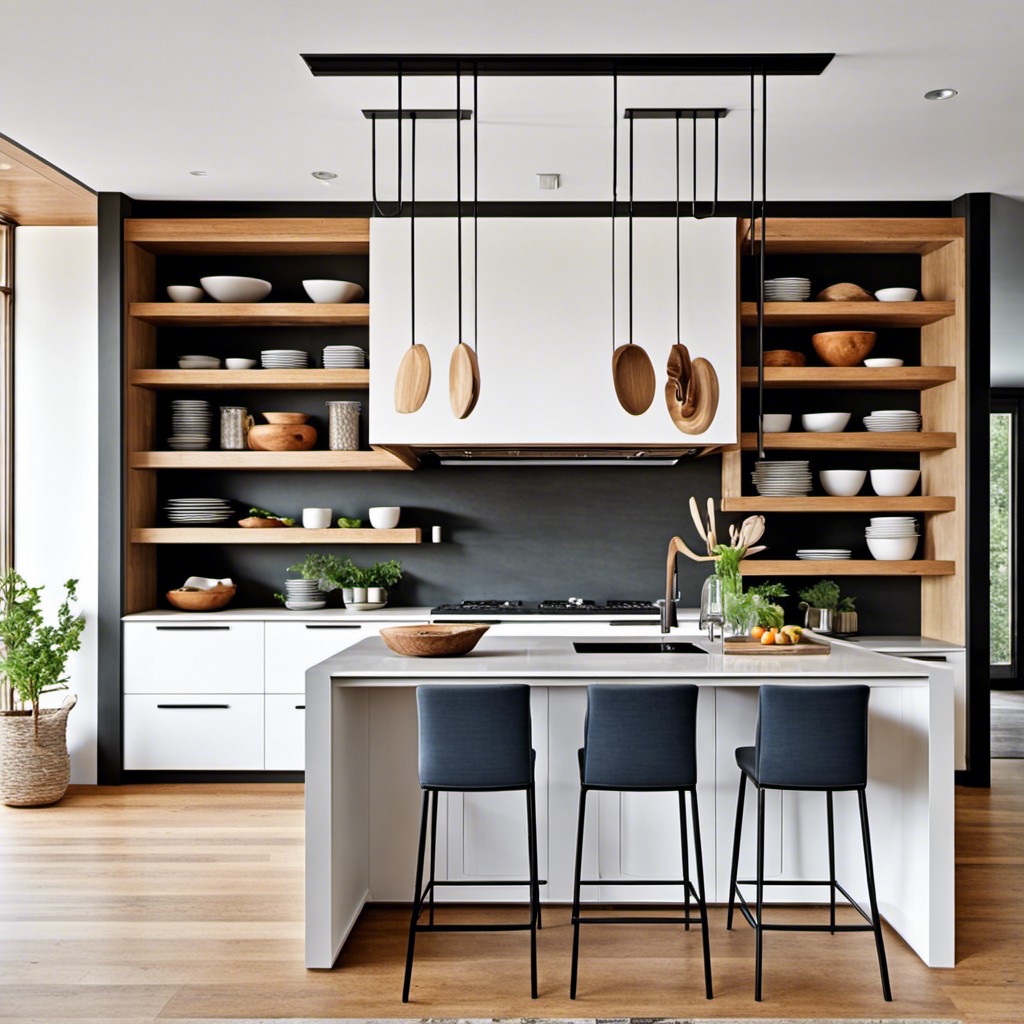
{"x": 384, "y": 517}
{"x": 317, "y": 518}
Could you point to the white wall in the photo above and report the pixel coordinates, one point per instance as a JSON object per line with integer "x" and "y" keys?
{"x": 57, "y": 444}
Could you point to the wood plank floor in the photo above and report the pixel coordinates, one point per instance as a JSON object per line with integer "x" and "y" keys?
{"x": 153, "y": 903}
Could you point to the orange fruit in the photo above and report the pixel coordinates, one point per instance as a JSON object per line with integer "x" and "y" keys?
{"x": 757, "y": 632}
{"x": 769, "y": 637}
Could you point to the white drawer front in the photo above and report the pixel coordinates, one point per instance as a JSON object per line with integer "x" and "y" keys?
{"x": 208, "y": 732}
{"x": 284, "y": 748}
{"x": 203, "y": 658}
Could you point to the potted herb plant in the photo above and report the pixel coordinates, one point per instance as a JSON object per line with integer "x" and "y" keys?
{"x": 826, "y": 610}
{"x": 35, "y": 767}
{"x": 380, "y": 578}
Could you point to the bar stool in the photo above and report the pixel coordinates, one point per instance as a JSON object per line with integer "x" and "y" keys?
{"x": 642, "y": 739}
{"x": 808, "y": 738}
{"x": 473, "y": 739}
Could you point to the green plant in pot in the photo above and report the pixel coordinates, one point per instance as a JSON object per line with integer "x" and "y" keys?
{"x": 372, "y": 583}
{"x": 34, "y": 764}
{"x": 355, "y": 582}
{"x": 826, "y": 610}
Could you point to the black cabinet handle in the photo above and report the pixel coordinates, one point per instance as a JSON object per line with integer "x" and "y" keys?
{"x": 331, "y": 625}
{"x": 300, "y": 707}
{"x": 196, "y": 707}
{"x": 196, "y": 628}
{"x": 924, "y": 657}
{"x": 475, "y": 622}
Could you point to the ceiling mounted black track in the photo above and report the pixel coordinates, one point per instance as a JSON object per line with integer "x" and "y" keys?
{"x": 543, "y": 65}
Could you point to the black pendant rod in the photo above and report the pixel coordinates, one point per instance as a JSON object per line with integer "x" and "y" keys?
{"x": 752, "y": 169}
{"x": 476, "y": 213}
{"x": 714, "y": 204}
{"x": 631, "y": 122}
{"x": 761, "y": 266}
{"x": 615, "y": 185}
{"x": 378, "y": 211}
{"x": 458, "y": 186}
{"x": 412, "y": 239}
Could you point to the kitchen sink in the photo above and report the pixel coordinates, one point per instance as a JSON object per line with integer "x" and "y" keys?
{"x": 640, "y": 647}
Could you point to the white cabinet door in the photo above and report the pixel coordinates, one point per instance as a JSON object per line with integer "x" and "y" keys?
{"x": 193, "y": 658}
{"x": 284, "y": 732}
{"x": 208, "y": 732}
{"x": 294, "y": 647}
{"x": 545, "y": 340}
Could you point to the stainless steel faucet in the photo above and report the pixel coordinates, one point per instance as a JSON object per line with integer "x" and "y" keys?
{"x": 669, "y": 619}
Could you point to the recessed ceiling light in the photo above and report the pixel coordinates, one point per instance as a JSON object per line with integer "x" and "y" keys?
{"x": 324, "y": 175}
{"x": 6, "y": 167}
{"x": 940, "y": 94}
{"x": 199, "y": 174}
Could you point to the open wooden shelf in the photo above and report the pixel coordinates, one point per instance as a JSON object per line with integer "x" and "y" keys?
{"x": 252, "y": 314}
{"x": 294, "y": 535}
{"x": 853, "y": 314}
{"x": 377, "y": 459}
{"x": 845, "y": 567}
{"x": 829, "y": 503}
{"x": 862, "y": 440}
{"x": 815, "y": 235}
{"x": 894, "y": 378}
{"x": 270, "y": 380}
{"x": 295, "y": 236}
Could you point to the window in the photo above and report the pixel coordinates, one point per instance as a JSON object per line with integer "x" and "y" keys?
{"x": 1005, "y": 433}
{"x": 6, "y": 394}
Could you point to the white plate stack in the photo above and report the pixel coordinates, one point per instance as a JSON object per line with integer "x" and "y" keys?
{"x": 198, "y": 511}
{"x": 344, "y": 357}
{"x": 284, "y": 359}
{"x": 303, "y": 595}
{"x": 824, "y": 554}
{"x": 892, "y": 538}
{"x": 790, "y": 478}
{"x": 190, "y": 425}
{"x": 199, "y": 363}
{"x": 893, "y": 419}
{"x": 787, "y": 289}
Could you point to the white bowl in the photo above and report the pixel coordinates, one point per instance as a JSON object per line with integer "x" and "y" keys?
{"x": 843, "y": 483}
{"x": 776, "y": 422}
{"x": 825, "y": 422}
{"x": 240, "y": 364}
{"x": 894, "y": 483}
{"x": 896, "y": 294}
{"x": 236, "y": 289}
{"x": 879, "y": 362}
{"x": 384, "y": 517}
{"x": 892, "y": 549}
{"x": 185, "y": 293}
{"x": 326, "y": 290}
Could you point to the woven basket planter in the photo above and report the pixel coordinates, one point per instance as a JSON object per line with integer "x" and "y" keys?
{"x": 35, "y": 772}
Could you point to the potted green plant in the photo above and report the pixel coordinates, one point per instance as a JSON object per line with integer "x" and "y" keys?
{"x": 330, "y": 572}
{"x": 380, "y": 578}
{"x": 35, "y": 767}
{"x": 826, "y": 611}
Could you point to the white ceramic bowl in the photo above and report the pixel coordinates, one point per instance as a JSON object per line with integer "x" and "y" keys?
{"x": 892, "y": 549}
{"x": 894, "y": 483}
{"x": 825, "y": 422}
{"x": 185, "y": 293}
{"x": 776, "y": 422}
{"x": 384, "y": 517}
{"x": 896, "y": 294}
{"x": 878, "y": 362}
{"x": 843, "y": 483}
{"x": 325, "y": 290}
{"x": 240, "y": 364}
{"x": 236, "y": 289}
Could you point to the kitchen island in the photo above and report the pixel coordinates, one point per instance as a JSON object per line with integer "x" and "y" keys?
{"x": 362, "y": 794}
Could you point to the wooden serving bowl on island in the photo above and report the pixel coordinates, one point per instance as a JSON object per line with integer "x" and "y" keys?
{"x": 433, "y": 641}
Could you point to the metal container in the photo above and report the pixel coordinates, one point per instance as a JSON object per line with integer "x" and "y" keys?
{"x": 820, "y": 620}
{"x": 235, "y": 422}
{"x": 845, "y": 623}
{"x": 343, "y": 426}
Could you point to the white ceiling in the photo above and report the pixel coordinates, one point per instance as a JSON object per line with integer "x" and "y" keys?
{"x": 130, "y": 96}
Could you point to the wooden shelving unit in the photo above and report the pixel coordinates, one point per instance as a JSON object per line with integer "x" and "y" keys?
{"x": 244, "y": 380}
{"x": 292, "y": 236}
{"x": 828, "y": 503}
{"x": 896, "y": 378}
{"x": 846, "y": 567}
{"x": 830, "y": 315}
{"x": 866, "y": 440}
{"x": 251, "y": 314}
{"x": 294, "y": 535}
{"x": 379, "y": 459}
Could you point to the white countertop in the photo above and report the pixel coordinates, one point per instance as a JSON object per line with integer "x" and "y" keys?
{"x": 906, "y": 644}
{"x": 553, "y": 658}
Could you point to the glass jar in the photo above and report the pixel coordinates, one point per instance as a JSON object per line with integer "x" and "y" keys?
{"x": 235, "y": 422}
{"x": 343, "y": 426}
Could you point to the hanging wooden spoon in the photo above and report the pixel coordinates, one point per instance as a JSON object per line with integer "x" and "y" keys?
{"x": 705, "y": 383}
{"x": 463, "y": 380}
{"x": 634, "y": 378}
{"x": 413, "y": 379}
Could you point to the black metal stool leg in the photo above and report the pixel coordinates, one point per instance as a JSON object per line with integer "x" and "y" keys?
{"x": 831, "y": 862}
{"x": 883, "y": 967}
{"x": 576, "y": 893}
{"x": 698, "y": 853}
{"x": 531, "y": 838}
{"x": 532, "y": 797}
{"x": 417, "y": 897}
{"x": 433, "y": 849}
{"x": 686, "y": 855}
{"x": 758, "y": 930}
{"x": 737, "y": 832}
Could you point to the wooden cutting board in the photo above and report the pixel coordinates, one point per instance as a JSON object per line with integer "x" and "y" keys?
{"x": 805, "y": 647}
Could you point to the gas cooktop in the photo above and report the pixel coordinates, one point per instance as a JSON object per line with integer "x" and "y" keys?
{"x": 571, "y": 606}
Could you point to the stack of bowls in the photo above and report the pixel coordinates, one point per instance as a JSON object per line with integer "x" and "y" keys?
{"x": 790, "y": 478}
{"x": 892, "y": 538}
{"x": 199, "y": 363}
{"x": 893, "y": 419}
{"x": 344, "y": 357}
{"x": 284, "y": 359}
{"x": 787, "y": 289}
{"x": 303, "y": 595}
{"x": 190, "y": 421}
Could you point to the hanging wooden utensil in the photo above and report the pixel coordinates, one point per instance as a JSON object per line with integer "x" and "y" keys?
{"x": 705, "y": 401}
{"x": 463, "y": 380}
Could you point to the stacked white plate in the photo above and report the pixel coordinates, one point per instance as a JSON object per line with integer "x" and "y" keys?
{"x": 893, "y": 419}
{"x": 782, "y": 479}
{"x": 892, "y": 526}
{"x": 303, "y": 595}
{"x": 284, "y": 359}
{"x": 344, "y": 357}
{"x": 198, "y": 511}
{"x": 190, "y": 424}
{"x": 787, "y": 289}
{"x": 892, "y": 538}
{"x": 824, "y": 554}
{"x": 199, "y": 363}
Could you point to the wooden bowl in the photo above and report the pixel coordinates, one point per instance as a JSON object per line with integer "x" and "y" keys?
{"x": 843, "y": 348}
{"x": 281, "y": 437}
{"x": 209, "y": 600}
{"x": 433, "y": 641}
{"x": 285, "y": 417}
{"x": 845, "y": 292}
{"x": 784, "y": 357}
{"x": 260, "y": 523}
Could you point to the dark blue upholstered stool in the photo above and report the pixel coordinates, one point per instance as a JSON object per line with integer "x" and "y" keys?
{"x": 809, "y": 738}
{"x": 642, "y": 738}
{"x": 473, "y": 739}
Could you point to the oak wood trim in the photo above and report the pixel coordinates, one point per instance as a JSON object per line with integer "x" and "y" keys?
{"x": 240, "y": 380}
{"x": 256, "y": 235}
